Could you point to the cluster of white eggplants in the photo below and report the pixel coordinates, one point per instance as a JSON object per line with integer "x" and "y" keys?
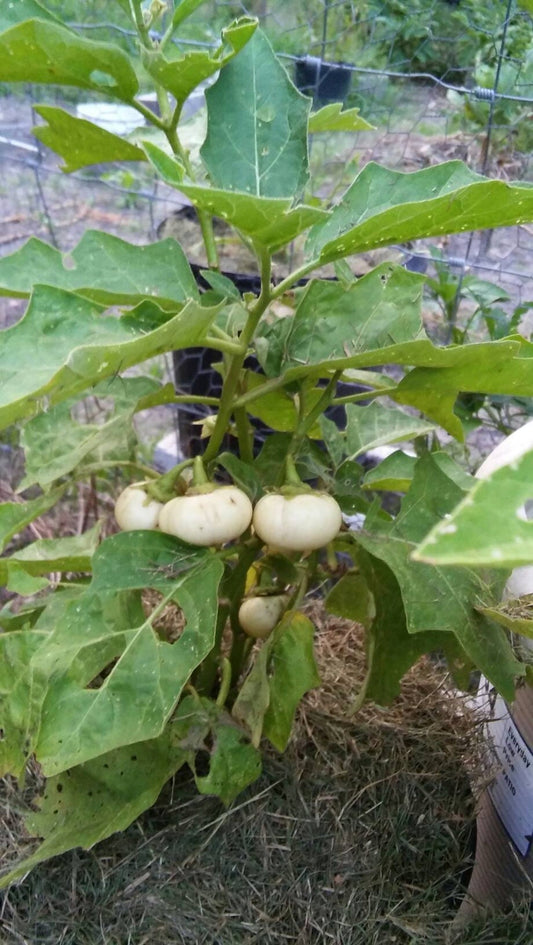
{"x": 298, "y": 522}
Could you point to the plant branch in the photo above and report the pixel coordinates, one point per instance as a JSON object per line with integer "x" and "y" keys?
{"x": 231, "y": 383}
{"x": 292, "y": 278}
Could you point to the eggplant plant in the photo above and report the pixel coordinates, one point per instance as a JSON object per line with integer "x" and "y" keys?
{"x": 92, "y": 691}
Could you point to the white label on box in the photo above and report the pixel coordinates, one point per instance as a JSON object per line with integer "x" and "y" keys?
{"x": 511, "y": 790}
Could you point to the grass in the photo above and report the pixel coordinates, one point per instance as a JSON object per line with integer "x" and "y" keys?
{"x": 362, "y": 833}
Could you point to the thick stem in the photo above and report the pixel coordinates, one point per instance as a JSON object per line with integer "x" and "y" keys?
{"x": 231, "y": 383}
{"x": 244, "y": 435}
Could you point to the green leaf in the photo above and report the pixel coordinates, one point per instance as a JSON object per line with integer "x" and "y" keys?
{"x": 81, "y": 143}
{"x": 48, "y": 53}
{"x": 257, "y": 126}
{"x": 22, "y": 583}
{"x": 80, "y": 721}
{"x": 53, "y": 554}
{"x": 333, "y": 439}
{"x": 292, "y": 672}
{"x": 201, "y": 727}
{"x": 487, "y": 526}
{"x": 14, "y": 516}
{"x": 435, "y": 392}
{"x": 17, "y": 649}
{"x": 368, "y": 427}
{"x": 332, "y": 117}
{"x": 391, "y": 649}
{"x": 336, "y": 323}
{"x": 277, "y": 409}
{"x": 351, "y": 598}
{"x": 384, "y": 206}
{"x": 526, "y": 5}
{"x": 12, "y": 13}
{"x": 234, "y": 762}
{"x": 271, "y": 221}
{"x": 90, "y": 802}
{"x": 78, "y": 347}
{"x": 516, "y": 616}
{"x": 133, "y": 560}
{"x": 242, "y": 474}
{"x": 104, "y": 269}
{"x": 182, "y": 75}
{"x": 393, "y": 474}
{"x": 347, "y": 488}
{"x": 440, "y": 598}
{"x": 55, "y": 442}
{"x": 253, "y": 699}
{"x": 184, "y": 9}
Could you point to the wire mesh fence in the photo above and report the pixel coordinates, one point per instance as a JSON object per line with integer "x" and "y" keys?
{"x": 438, "y": 79}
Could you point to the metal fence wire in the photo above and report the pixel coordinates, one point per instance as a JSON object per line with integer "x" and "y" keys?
{"x": 438, "y": 79}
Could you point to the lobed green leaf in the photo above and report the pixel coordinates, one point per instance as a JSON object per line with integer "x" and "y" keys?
{"x": 104, "y": 269}
{"x": 333, "y": 117}
{"x": 55, "y": 442}
{"x": 486, "y": 528}
{"x": 384, "y": 206}
{"x": 439, "y": 598}
{"x": 182, "y": 75}
{"x": 81, "y": 143}
{"x": 88, "y": 803}
{"x": 40, "y": 50}
{"x": 79, "y": 347}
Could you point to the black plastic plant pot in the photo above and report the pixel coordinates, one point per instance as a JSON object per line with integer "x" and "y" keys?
{"x": 324, "y": 81}
{"x": 194, "y": 373}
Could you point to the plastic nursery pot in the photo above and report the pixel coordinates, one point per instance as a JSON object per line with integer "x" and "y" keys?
{"x": 194, "y": 374}
{"x": 324, "y": 81}
{"x": 503, "y": 867}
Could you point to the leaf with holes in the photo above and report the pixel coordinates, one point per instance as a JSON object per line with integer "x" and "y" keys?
{"x": 488, "y": 527}
{"x": 99, "y": 665}
{"x": 88, "y": 803}
{"x": 46, "y": 52}
{"x": 56, "y": 442}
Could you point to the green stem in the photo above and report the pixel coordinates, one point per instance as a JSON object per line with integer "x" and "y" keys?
{"x": 199, "y": 476}
{"x": 163, "y": 486}
{"x": 142, "y": 29}
{"x": 228, "y": 347}
{"x": 147, "y": 113}
{"x": 225, "y": 682}
{"x": 194, "y": 399}
{"x": 231, "y": 383}
{"x": 307, "y": 423}
{"x": 274, "y": 384}
{"x": 244, "y": 434}
{"x": 293, "y": 277}
{"x": 147, "y": 471}
{"x": 367, "y": 395}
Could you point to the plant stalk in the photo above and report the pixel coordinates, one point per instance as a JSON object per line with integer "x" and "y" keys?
{"x": 231, "y": 383}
